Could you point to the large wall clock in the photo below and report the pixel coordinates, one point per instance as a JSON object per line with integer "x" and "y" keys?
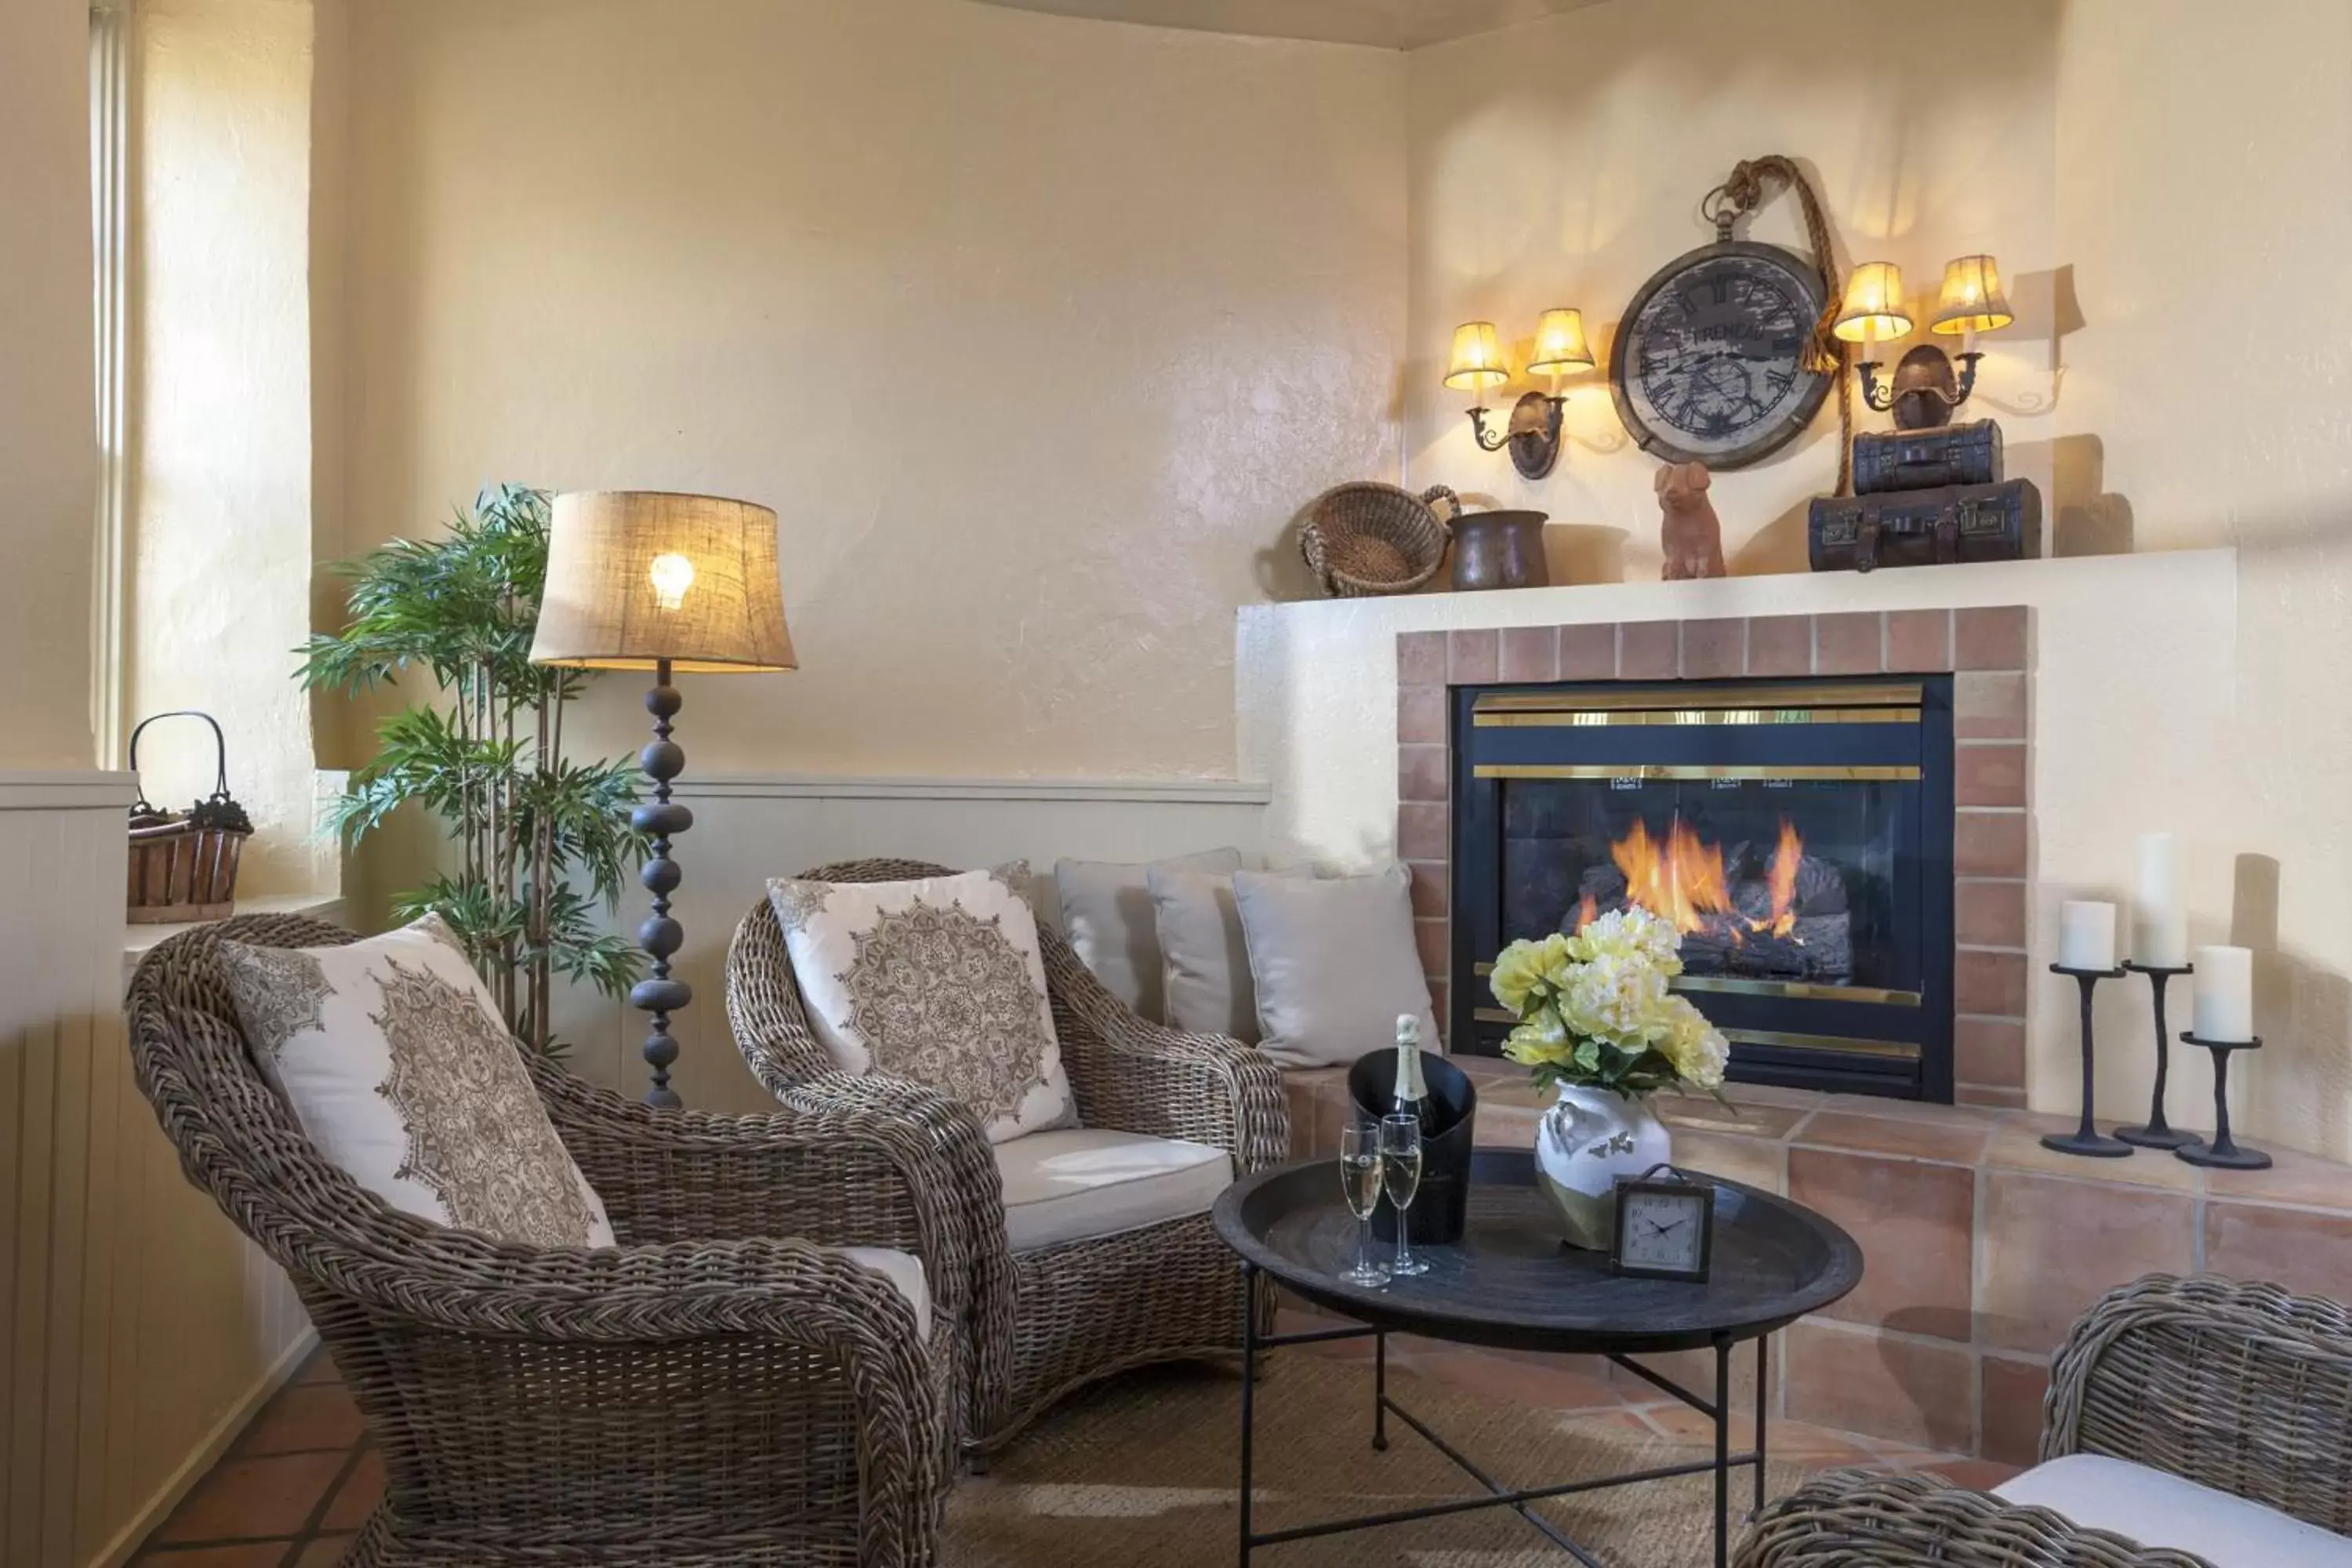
{"x": 1709, "y": 364}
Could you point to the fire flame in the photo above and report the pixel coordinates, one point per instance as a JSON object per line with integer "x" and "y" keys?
{"x": 1681, "y": 879}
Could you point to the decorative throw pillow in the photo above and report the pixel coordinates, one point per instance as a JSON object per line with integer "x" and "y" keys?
{"x": 397, "y": 1066}
{"x": 1205, "y": 958}
{"x": 940, "y": 981}
{"x": 1334, "y": 963}
{"x": 1106, "y": 914}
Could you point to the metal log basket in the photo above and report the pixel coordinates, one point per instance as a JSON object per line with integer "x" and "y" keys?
{"x": 183, "y": 863}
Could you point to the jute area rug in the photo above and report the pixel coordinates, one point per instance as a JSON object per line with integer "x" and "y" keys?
{"x": 1140, "y": 1472}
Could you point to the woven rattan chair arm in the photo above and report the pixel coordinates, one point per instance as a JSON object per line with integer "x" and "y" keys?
{"x": 1864, "y": 1519}
{"x": 2241, "y": 1386}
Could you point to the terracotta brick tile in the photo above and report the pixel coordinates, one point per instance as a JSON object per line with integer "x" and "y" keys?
{"x": 2011, "y": 1401}
{"x": 2017, "y": 1146}
{"x": 1421, "y": 832}
{"x": 1758, "y": 1162}
{"x": 1989, "y": 844}
{"x": 1851, "y": 643}
{"x": 1421, "y": 714}
{"x": 1915, "y": 1223}
{"x": 1428, "y": 885}
{"x": 1436, "y": 954}
{"x": 2050, "y": 1246}
{"x": 1713, "y": 648}
{"x": 243, "y": 1554}
{"x": 1918, "y": 642}
{"x": 1989, "y": 1052}
{"x": 360, "y": 1494}
{"x": 1781, "y": 645}
{"x": 326, "y": 1551}
{"x": 1989, "y": 913}
{"x": 1988, "y": 774}
{"x": 1647, "y": 650}
{"x": 1588, "y": 652}
{"x": 2309, "y": 1253}
{"x": 1531, "y": 653}
{"x": 1992, "y": 1096}
{"x": 1951, "y": 1142}
{"x": 1910, "y": 1391}
{"x": 271, "y": 1496}
{"x": 1987, "y": 705}
{"x": 1472, "y": 657}
{"x": 1421, "y": 658}
{"x": 304, "y": 1416}
{"x": 1990, "y": 639}
{"x": 1992, "y": 983}
{"x": 1420, "y": 772}
{"x": 320, "y": 1368}
{"x": 2294, "y": 1177}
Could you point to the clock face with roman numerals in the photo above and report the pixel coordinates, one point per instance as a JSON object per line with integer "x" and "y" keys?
{"x": 1708, "y": 364}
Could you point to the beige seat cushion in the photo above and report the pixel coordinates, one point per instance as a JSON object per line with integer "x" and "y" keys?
{"x": 905, "y": 1272}
{"x": 2157, "y": 1507}
{"x": 1084, "y": 1181}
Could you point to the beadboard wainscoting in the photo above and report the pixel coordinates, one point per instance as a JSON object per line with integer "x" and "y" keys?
{"x": 748, "y": 829}
{"x": 137, "y": 1328}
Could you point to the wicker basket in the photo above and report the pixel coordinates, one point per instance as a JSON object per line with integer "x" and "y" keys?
{"x": 1366, "y": 538}
{"x": 183, "y": 864}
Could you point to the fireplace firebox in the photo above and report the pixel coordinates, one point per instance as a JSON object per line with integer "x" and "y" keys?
{"x": 1798, "y": 833}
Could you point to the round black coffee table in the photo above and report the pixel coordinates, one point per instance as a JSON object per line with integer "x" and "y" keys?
{"x": 1509, "y": 1282}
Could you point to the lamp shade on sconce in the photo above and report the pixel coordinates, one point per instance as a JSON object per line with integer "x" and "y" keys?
{"x": 1560, "y": 347}
{"x": 1873, "y": 309}
{"x": 635, "y": 577}
{"x": 1971, "y": 301}
{"x": 1477, "y": 362}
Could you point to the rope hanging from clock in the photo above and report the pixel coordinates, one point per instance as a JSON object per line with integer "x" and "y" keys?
{"x": 1742, "y": 194}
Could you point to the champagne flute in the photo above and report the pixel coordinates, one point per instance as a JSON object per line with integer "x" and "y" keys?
{"x": 1359, "y": 1178}
{"x": 1400, "y": 1174}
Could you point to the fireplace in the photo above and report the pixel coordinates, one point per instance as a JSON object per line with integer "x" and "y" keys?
{"x": 1798, "y": 833}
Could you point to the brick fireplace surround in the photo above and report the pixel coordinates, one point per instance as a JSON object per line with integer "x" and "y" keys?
{"x": 1984, "y": 651}
{"x": 1980, "y": 1245}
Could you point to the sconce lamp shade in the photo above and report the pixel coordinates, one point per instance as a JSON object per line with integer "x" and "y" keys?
{"x": 1477, "y": 362}
{"x": 1559, "y": 344}
{"x": 1971, "y": 301}
{"x": 634, "y": 577}
{"x": 1873, "y": 309}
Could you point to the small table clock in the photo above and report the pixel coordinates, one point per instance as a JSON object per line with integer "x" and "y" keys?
{"x": 1665, "y": 1225}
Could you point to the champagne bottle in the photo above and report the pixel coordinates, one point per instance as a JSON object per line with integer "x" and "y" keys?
{"x": 1411, "y": 1090}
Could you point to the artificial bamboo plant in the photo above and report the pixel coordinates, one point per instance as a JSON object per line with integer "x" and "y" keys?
{"x": 539, "y": 836}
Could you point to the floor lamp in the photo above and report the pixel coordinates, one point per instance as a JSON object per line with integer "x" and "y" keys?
{"x": 677, "y": 584}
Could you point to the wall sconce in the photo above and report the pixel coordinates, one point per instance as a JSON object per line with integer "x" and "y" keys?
{"x": 1534, "y": 431}
{"x": 1924, "y": 390}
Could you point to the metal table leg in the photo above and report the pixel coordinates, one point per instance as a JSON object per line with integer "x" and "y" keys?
{"x": 1249, "y": 1387}
{"x": 1381, "y": 1391}
{"x": 1723, "y": 1452}
{"x": 1762, "y": 1341}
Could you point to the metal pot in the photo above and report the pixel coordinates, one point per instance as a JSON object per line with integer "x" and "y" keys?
{"x": 1500, "y": 550}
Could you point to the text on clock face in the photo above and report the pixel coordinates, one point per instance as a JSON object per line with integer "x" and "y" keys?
{"x": 1719, "y": 351}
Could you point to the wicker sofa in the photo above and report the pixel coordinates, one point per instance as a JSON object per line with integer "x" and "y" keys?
{"x": 1056, "y": 1307}
{"x": 726, "y": 1385}
{"x": 2209, "y": 1418}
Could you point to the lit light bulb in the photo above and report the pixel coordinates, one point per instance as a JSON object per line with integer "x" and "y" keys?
{"x": 672, "y": 576}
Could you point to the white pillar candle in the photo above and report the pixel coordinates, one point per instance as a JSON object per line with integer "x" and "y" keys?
{"x": 2086, "y": 935}
{"x": 2160, "y": 915}
{"x": 2225, "y": 993}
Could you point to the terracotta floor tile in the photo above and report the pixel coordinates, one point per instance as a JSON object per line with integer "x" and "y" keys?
{"x": 1914, "y": 1137}
{"x": 1743, "y": 1117}
{"x": 1758, "y": 1162}
{"x": 2017, "y": 1146}
{"x": 326, "y": 1551}
{"x": 1981, "y": 1474}
{"x": 245, "y": 1555}
{"x": 320, "y": 1368}
{"x": 1548, "y": 1388}
{"x": 360, "y": 1495}
{"x": 2047, "y": 1249}
{"x": 2293, "y": 1178}
{"x": 1913, "y": 1391}
{"x": 1914, "y": 1221}
{"x": 242, "y": 1498}
{"x": 2306, "y": 1252}
{"x": 306, "y": 1416}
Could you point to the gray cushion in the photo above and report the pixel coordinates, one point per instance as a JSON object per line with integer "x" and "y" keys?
{"x": 1107, "y": 915}
{"x": 1206, "y": 959}
{"x": 1333, "y": 962}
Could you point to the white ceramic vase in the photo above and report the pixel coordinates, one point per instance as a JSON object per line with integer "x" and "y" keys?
{"x": 1592, "y": 1137}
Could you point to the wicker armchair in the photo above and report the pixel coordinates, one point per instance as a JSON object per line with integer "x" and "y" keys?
{"x": 2242, "y": 1388}
{"x": 1046, "y": 1322}
{"x": 720, "y": 1387}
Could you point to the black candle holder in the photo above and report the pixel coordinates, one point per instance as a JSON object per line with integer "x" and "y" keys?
{"x": 2223, "y": 1152}
{"x": 2086, "y": 1139}
{"x": 2156, "y": 1132}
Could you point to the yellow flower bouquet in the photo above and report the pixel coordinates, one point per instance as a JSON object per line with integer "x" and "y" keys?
{"x": 1593, "y": 1008}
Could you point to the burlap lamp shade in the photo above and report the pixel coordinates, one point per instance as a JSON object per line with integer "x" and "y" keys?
{"x": 634, "y": 577}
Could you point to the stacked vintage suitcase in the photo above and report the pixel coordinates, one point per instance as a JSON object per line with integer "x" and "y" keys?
{"x": 1927, "y": 498}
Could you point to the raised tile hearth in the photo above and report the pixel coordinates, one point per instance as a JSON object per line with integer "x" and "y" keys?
{"x": 1981, "y": 1246}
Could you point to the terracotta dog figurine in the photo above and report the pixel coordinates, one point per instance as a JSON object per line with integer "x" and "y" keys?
{"x": 1690, "y": 532}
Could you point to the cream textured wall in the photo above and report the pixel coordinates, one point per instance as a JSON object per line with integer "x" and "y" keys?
{"x": 1035, "y": 332}
{"x": 48, "y": 468}
{"x": 219, "y": 540}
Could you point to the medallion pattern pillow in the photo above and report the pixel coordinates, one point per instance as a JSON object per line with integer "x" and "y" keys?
{"x": 397, "y": 1066}
{"x": 939, "y": 980}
